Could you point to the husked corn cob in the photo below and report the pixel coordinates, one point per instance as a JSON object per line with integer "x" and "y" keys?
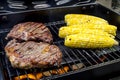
{"x": 89, "y": 41}
{"x": 73, "y": 19}
{"x": 111, "y": 29}
{"x": 65, "y": 31}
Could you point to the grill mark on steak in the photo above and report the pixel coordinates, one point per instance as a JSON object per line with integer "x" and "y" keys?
{"x": 11, "y": 45}
{"x": 52, "y": 57}
{"x": 23, "y": 49}
{"x": 22, "y": 45}
{"x": 17, "y": 48}
{"x": 33, "y": 54}
{"x": 43, "y": 52}
{"x": 26, "y": 52}
{"x": 36, "y": 52}
{"x": 28, "y": 26}
{"x": 33, "y": 25}
{"x": 36, "y": 26}
{"x": 41, "y": 30}
{"x": 19, "y": 29}
{"x": 31, "y": 31}
{"x": 24, "y": 33}
{"x": 38, "y": 30}
{"x": 44, "y": 32}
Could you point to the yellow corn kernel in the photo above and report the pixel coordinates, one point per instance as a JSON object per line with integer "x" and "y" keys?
{"x": 89, "y": 41}
{"x": 111, "y": 29}
{"x": 65, "y": 31}
{"x": 73, "y": 19}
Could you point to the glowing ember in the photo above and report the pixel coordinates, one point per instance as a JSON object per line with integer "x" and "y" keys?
{"x": 49, "y": 73}
{"x": 103, "y": 58}
{"x": 60, "y": 71}
{"x": 30, "y": 76}
{"x": 40, "y": 75}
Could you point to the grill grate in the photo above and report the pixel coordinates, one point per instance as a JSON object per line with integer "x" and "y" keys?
{"x": 72, "y": 58}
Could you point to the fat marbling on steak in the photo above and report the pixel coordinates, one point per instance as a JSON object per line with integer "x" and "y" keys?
{"x": 31, "y": 31}
{"x": 30, "y": 54}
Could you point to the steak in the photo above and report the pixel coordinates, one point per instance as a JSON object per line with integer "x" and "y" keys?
{"x": 30, "y": 54}
{"x": 31, "y": 31}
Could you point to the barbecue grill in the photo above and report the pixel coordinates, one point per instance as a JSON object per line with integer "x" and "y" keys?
{"x": 84, "y": 64}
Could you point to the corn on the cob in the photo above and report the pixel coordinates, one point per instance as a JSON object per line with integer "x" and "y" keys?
{"x": 111, "y": 29}
{"x": 65, "y": 31}
{"x": 89, "y": 41}
{"x": 73, "y": 19}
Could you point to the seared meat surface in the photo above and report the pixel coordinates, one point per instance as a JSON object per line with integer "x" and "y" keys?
{"x": 30, "y": 54}
{"x": 31, "y": 31}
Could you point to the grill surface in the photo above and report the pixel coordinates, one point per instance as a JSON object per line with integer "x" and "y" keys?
{"x": 90, "y": 58}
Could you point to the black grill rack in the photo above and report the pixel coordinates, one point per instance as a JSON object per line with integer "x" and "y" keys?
{"x": 89, "y": 58}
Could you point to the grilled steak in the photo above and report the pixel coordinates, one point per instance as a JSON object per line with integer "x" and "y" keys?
{"x": 31, "y": 31}
{"x": 32, "y": 54}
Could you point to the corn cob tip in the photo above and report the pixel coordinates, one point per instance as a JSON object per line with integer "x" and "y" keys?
{"x": 116, "y": 43}
{"x": 112, "y": 36}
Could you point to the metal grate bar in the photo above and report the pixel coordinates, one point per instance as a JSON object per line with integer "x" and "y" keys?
{"x": 27, "y": 75}
{"x": 67, "y": 63}
{"x": 69, "y": 56}
{"x": 116, "y": 53}
{"x": 57, "y": 26}
{"x": 77, "y": 57}
{"x": 66, "y": 60}
{"x": 63, "y": 69}
{"x": 53, "y": 29}
{"x": 84, "y": 57}
{"x": 60, "y": 65}
{"x": 112, "y": 56}
{"x": 50, "y": 74}
{"x": 95, "y": 55}
{"x": 2, "y": 43}
{"x": 118, "y": 36}
{"x": 18, "y": 74}
{"x": 104, "y": 56}
{"x": 44, "y": 78}
{"x": 109, "y": 54}
{"x": 101, "y": 54}
{"x": 9, "y": 73}
{"x": 90, "y": 56}
{"x": 55, "y": 23}
{"x": 34, "y": 72}
{"x": 54, "y": 26}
